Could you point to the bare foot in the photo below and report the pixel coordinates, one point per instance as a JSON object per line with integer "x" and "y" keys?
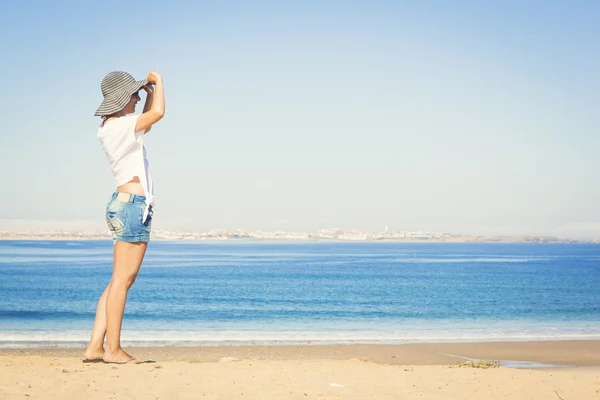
{"x": 93, "y": 354}
{"x": 117, "y": 357}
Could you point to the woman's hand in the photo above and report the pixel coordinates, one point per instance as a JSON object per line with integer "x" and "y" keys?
{"x": 153, "y": 77}
{"x": 148, "y": 89}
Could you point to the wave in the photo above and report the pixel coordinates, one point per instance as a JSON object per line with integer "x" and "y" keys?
{"x": 43, "y": 315}
{"x": 169, "y": 337}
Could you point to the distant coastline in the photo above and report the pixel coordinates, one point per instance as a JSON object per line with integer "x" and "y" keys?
{"x": 323, "y": 235}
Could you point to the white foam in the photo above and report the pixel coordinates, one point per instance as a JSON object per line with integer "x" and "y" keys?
{"x": 77, "y": 338}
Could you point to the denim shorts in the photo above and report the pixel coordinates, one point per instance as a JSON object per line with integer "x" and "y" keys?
{"x": 124, "y": 214}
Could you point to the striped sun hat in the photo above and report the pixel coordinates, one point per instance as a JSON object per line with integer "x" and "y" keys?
{"x": 117, "y": 88}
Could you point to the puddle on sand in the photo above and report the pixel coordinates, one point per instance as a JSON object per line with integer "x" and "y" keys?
{"x": 514, "y": 363}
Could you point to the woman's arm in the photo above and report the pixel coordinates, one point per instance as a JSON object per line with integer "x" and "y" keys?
{"x": 156, "y": 110}
{"x": 148, "y": 103}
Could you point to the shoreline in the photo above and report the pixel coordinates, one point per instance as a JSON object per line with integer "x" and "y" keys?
{"x": 567, "y": 353}
{"x": 274, "y": 240}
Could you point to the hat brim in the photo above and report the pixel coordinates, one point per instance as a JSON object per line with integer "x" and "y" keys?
{"x": 117, "y": 101}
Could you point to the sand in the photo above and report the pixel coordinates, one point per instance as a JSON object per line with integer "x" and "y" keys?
{"x": 416, "y": 371}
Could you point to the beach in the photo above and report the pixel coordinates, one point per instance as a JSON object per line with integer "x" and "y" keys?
{"x": 307, "y": 320}
{"x": 552, "y": 370}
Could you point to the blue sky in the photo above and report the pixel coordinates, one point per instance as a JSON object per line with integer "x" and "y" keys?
{"x": 466, "y": 117}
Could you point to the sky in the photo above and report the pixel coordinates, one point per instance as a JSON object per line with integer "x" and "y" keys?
{"x": 463, "y": 117}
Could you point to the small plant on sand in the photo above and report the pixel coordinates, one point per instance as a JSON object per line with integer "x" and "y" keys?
{"x": 478, "y": 364}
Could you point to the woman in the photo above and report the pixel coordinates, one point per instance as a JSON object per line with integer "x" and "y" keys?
{"x": 129, "y": 212}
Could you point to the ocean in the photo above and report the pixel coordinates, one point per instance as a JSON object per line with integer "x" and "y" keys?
{"x": 216, "y": 293}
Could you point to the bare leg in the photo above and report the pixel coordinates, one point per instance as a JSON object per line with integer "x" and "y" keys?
{"x": 128, "y": 258}
{"x": 95, "y": 349}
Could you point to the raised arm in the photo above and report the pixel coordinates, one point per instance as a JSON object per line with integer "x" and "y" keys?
{"x": 149, "y": 98}
{"x": 154, "y": 109}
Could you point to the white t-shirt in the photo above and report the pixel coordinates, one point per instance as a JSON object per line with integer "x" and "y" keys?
{"x": 126, "y": 154}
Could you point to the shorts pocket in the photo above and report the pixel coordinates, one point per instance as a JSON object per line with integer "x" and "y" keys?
{"x": 115, "y": 221}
